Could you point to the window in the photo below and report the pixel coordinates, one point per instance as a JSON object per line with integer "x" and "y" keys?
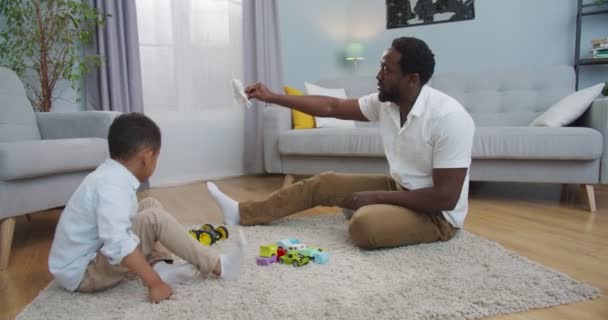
{"x": 190, "y": 50}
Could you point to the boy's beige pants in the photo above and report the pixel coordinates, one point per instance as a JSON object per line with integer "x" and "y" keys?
{"x": 371, "y": 227}
{"x": 152, "y": 224}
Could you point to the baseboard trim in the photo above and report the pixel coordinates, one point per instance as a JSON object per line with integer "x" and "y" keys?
{"x": 179, "y": 180}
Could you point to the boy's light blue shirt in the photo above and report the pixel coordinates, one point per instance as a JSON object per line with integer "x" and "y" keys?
{"x": 97, "y": 218}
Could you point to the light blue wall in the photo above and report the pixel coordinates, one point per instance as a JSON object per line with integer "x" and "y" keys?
{"x": 312, "y": 35}
{"x": 504, "y": 34}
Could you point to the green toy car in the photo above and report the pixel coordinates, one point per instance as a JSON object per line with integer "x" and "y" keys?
{"x": 294, "y": 258}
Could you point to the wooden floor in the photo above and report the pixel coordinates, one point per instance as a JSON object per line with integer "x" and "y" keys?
{"x": 526, "y": 218}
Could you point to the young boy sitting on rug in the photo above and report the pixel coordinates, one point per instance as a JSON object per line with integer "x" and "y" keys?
{"x": 104, "y": 233}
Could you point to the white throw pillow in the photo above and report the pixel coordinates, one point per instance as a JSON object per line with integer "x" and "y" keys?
{"x": 312, "y": 89}
{"x": 569, "y": 108}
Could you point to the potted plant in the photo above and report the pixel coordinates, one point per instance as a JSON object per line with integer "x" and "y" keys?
{"x": 42, "y": 41}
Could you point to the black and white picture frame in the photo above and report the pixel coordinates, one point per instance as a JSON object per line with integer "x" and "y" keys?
{"x": 407, "y": 13}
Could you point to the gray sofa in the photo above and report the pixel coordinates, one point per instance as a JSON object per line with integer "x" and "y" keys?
{"x": 502, "y": 103}
{"x": 43, "y": 156}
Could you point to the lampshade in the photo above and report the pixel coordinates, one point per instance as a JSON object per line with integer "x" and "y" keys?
{"x": 354, "y": 51}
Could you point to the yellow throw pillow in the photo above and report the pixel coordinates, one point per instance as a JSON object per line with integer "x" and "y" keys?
{"x": 301, "y": 120}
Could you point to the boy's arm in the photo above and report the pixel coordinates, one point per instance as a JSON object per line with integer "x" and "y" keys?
{"x": 157, "y": 289}
{"x": 120, "y": 244}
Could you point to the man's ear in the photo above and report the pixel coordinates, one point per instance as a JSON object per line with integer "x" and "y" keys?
{"x": 413, "y": 79}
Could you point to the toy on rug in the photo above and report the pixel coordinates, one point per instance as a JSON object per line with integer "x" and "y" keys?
{"x": 290, "y": 251}
{"x": 268, "y": 255}
{"x": 209, "y": 235}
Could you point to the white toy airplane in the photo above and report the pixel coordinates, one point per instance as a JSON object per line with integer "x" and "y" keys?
{"x": 239, "y": 93}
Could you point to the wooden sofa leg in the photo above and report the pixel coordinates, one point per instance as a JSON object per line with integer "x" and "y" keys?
{"x": 589, "y": 195}
{"x": 563, "y": 195}
{"x": 7, "y": 228}
{"x": 288, "y": 180}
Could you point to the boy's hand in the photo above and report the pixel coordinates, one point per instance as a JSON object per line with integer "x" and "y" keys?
{"x": 159, "y": 291}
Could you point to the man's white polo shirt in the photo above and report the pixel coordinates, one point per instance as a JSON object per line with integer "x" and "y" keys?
{"x": 438, "y": 133}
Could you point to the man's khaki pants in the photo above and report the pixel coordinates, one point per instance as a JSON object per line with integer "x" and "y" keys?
{"x": 371, "y": 227}
{"x": 152, "y": 224}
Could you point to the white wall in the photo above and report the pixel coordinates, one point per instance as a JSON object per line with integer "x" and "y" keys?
{"x": 199, "y": 145}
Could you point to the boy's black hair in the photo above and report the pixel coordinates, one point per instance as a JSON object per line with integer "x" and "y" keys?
{"x": 130, "y": 132}
{"x": 416, "y": 57}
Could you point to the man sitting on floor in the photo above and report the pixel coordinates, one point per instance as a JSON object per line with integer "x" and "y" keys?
{"x": 427, "y": 139}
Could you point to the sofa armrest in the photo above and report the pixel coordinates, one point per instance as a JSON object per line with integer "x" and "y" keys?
{"x": 276, "y": 120}
{"x": 80, "y": 124}
{"x": 596, "y": 117}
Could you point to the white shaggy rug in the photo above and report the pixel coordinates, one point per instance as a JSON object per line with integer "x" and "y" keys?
{"x": 467, "y": 277}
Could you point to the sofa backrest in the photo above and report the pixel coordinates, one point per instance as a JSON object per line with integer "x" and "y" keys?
{"x": 17, "y": 118}
{"x": 355, "y": 86}
{"x": 500, "y": 97}
{"x": 507, "y": 98}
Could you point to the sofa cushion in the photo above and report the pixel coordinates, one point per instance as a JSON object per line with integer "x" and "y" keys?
{"x": 524, "y": 143}
{"x": 569, "y": 108}
{"x": 34, "y": 158}
{"x": 543, "y": 143}
{"x": 329, "y": 122}
{"x": 363, "y": 142}
{"x": 299, "y": 119}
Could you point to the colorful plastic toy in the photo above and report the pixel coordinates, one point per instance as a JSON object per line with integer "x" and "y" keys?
{"x": 218, "y": 233}
{"x": 202, "y": 236}
{"x": 320, "y": 257}
{"x": 294, "y": 258}
{"x": 316, "y": 254}
{"x": 268, "y": 250}
{"x": 285, "y": 243}
{"x": 281, "y": 252}
{"x": 290, "y": 251}
{"x": 296, "y": 246}
{"x": 265, "y": 261}
{"x": 208, "y": 235}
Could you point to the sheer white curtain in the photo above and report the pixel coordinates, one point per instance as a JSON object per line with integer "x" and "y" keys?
{"x": 190, "y": 50}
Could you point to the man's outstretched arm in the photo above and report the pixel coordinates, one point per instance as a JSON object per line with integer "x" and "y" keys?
{"x": 319, "y": 106}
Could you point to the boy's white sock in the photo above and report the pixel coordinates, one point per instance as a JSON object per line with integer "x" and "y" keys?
{"x": 229, "y": 207}
{"x": 231, "y": 261}
{"x": 176, "y": 273}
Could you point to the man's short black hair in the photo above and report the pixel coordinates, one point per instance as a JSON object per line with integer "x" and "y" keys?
{"x": 130, "y": 132}
{"x": 416, "y": 57}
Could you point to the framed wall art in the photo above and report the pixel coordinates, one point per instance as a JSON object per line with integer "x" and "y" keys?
{"x": 407, "y": 13}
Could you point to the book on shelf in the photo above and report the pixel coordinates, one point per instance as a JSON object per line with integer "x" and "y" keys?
{"x": 599, "y": 42}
